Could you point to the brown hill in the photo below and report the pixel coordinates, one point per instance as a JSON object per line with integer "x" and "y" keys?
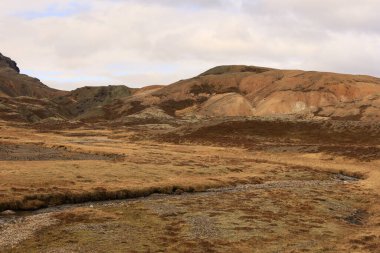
{"x": 88, "y": 102}
{"x": 268, "y": 92}
{"x": 28, "y": 109}
{"x": 235, "y": 90}
{"x": 14, "y": 84}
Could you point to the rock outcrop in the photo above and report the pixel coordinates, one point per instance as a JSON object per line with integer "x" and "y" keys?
{"x": 8, "y": 63}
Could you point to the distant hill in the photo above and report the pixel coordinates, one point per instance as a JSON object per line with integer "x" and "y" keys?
{"x": 256, "y": 91}
{"x": 223, "y": 91}
{"x": 87, "y": 102}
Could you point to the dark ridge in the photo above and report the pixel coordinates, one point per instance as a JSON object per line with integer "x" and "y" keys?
{"x": 226, "y": 69}
{"x": 8, "y": 62}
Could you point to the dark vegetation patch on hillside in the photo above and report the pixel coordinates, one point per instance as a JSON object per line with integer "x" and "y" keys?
{"x": 234, "y": 69}
{"x": 336, "y": 137}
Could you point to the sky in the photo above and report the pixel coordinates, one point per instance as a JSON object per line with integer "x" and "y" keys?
{"x": 69, "y": 44}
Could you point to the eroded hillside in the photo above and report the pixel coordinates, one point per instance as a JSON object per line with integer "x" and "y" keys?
{"x": 222, "y": 91}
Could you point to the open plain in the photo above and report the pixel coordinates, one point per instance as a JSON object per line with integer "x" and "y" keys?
{"x": 192, "y": 186}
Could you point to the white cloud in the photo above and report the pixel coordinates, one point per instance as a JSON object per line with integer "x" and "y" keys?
{"x": 155, "y": 42}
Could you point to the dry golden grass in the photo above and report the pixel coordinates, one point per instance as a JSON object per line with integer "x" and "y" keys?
{"x": 147, "y": 168}
{"x": 250, "y": 221}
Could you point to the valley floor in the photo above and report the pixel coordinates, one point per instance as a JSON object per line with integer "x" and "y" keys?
{"x": 131, "y": 189}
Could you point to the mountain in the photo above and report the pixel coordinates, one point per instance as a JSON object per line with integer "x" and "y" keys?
{"x": 232, "y": 90}
{"x": 257, "y": 91}
{"x": 14, "y": 84}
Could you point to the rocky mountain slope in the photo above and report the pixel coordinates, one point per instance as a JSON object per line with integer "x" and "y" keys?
{"x": 221, "y": 91}
{"x": 256, "y": 91}
{"x": 14, "y": 84}
{"x": 88, "y": 101}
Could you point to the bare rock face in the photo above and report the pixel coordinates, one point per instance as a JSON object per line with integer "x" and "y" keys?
{"x": 8, "y": 62}
{"x": 227, "y": 104}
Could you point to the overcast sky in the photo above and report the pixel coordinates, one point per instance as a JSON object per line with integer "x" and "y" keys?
{"x": 68, "y": 44}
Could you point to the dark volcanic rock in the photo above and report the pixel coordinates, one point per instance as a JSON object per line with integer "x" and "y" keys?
{"x": 8, "y": 62}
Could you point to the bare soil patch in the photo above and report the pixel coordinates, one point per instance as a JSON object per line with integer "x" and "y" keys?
{"x": 33, "y": 152}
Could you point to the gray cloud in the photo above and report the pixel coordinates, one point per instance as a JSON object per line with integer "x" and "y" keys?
{"x": 155, "y": 42}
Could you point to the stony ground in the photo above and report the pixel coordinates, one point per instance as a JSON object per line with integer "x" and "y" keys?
{"x": 15, "y": 230}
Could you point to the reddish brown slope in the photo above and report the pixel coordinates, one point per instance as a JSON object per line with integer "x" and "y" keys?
{"x": 221, "y": 91}
{"x": 14, "y": 84}
{"x": 273, "y": 92}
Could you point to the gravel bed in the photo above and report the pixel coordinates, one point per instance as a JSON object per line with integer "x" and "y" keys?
{"x": 22, "y": 228}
